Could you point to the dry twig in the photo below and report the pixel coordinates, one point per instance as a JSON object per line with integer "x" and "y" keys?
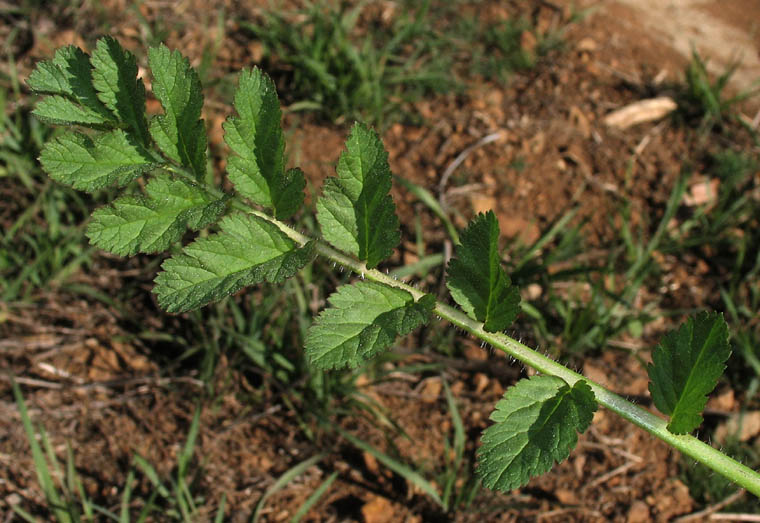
{"x": 712, "y": 509}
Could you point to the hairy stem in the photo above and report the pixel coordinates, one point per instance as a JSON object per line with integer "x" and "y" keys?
{"x": 689, "y": 445}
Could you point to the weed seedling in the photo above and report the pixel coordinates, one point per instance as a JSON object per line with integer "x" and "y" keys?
{"x": 705, "y": 100}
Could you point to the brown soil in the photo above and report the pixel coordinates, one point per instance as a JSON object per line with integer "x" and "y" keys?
{"x": 98, "y": 387}
{"x": 726, "y": 32}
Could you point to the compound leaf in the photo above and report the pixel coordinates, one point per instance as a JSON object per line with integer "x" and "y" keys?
{"x": 535, "y": 424}
{"x": 356, "y": 213}
{"x": 256, "y": 165}
{"x": 112, "y": 158}
{"x": 685, "y": 369}
{"x": 68, "y": 76}
{"x": 179, "y": 132}
{"x": 114, "y": 76}
{"x": 245, "y": 251}
{"x": 364, "y": 319}
{"x": 152, "y": 223}
{"x": 477, "y": 280}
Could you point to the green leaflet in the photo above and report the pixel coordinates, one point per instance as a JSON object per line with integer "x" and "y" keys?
{"x": 256, "y": 165}
{"x": 151, "y": 224}
{"x": 364, "y": 319}
{"x": 57, "y": 110}
{"x": 115, "y": 79}
{"x": 69, "y": 66}
{"x": 477, "y": 280}
{"x": 179, "y": 132}
{"x": 88, "y": 165}
{"x": 535, "y": 424}
{"x": 356, "y": 213}
{"x": 69, "y": 76}
{"x": 247, "y": 250}
{"x": 685, "y": 369}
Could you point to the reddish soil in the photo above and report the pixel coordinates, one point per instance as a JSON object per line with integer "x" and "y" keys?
{"x": 98, "y": 387}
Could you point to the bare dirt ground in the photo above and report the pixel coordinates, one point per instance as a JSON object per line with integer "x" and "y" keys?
{"x": 110, "y": 399}
{"x": 726, "y": 32}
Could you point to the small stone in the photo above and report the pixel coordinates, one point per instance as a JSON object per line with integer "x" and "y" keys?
{"x": 724, "y": 401}
{"x": 580, "y": 121}
{"x": 578, "y": 464}
{"x": 744, "y": 425}
{"x": 598, "y": 374}
{"x": 638, "y": 386}
{"x": 430, "y": 389}
{"x": 639, "y": 112}
{"x": 458, "y": 388}
{"x": 481, "y": 382}
{"x": 473, "y": 352}
{"x": 702, "y": 192}
{"x": 482, "y": 203}
{"x": 532, "y": 291}
{"x": 495, "y": 388}
{"x": 566, "y": 496}
{"x": 378, "y": 510}
{"x": 371, "y": 463}
{"x": 638, "y": 513}
{"x": 518, "y": 227}
{"x": 265, "y": 464}
{"x": 587, "y": 44}
{"x": 256, "y": 51}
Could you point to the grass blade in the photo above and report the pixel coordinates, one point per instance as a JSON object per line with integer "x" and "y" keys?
{"x": 397, "y": 467}
{"x": 422, "y": 266}
{"x": 23, "y": 514}
{"x": 187, "y": 451}
{"x": 452, "y": 469}
{"x": 126, "y": 495}
{"x": 456, "y": 421}
{"x": 151, "y": 474}
{"x": 40, "y": 465}
{"x": 303, "y": 509}
{"x": 220, "y": 511}
{"x": 428, "y": 199}
{"x": 75, "y": 485}
{"x": 283, "y": 480}
{"x": 559, "y": 226}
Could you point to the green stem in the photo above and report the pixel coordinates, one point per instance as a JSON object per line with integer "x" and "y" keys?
{"x": 689, "y": 445}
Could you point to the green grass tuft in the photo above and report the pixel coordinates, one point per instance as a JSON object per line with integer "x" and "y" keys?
{"x": 705, "y": 102}
{"x": 330, "y": 62}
